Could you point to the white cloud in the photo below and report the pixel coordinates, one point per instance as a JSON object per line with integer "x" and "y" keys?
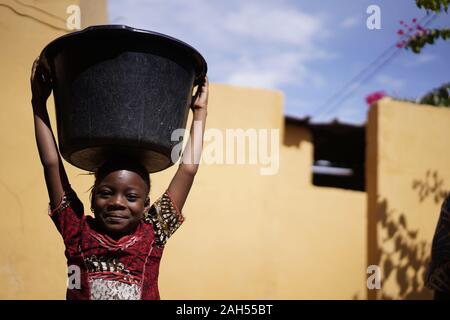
{"x": 416, "y": 60}
{"x": 268, "y": 71}
{"x": 259, "y": 43}
{"x": 389, "y": 82}
{"x": 275, "y": 24}
{"x": 350, "y": 22}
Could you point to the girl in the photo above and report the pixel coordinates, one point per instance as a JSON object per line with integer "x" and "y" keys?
{"x": 115, "y": 255}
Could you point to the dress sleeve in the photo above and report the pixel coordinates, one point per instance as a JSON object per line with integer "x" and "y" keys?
{"x": 165, "y": 218}
{"x": 67, "y": 217}
{"x": 438, "y": 275}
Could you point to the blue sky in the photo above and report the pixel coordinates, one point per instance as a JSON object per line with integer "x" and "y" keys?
{"x": 307, "y": 49}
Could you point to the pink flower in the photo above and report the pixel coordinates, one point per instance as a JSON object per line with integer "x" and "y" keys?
{"x": 414, "y": 20}
{"x": 399, "y": 45}
{"x": 419, "y": 27}
{"x": 374, "y": 97}
{"x": 402, "y": 22}
{"x": 410, "y": 29}
{"x": 400, "y": 32}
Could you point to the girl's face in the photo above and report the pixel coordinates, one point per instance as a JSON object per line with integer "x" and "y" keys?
{"x": 119, "y": 202}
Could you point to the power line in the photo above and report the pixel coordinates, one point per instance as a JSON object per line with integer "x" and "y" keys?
{"x": 392, "y": 51}
{"x": 41, "y": 10}
{"x": 351, "y": 86}
{"x": 338, "y": 102}
{"x": 32, "y": 18}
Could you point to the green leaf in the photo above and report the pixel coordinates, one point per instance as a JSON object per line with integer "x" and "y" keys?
{"x": 434, "y": 5}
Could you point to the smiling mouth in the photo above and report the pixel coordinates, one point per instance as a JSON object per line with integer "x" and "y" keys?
{"x": 115, "y": 219}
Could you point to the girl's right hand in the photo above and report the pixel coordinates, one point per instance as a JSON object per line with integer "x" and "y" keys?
{"x": 200, "y": 99}
{"x": 41, "y": 85}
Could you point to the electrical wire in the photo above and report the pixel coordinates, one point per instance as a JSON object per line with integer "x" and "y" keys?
{"x": 41, "y": 10}
{"x": 335, "y": 101}
{"x": 33, "y": 18}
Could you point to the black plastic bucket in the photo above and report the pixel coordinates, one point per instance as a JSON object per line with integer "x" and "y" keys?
{"x": 121, "y": 91}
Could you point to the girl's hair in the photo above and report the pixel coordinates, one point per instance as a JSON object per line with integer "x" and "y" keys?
{"x": 119, "y": 163}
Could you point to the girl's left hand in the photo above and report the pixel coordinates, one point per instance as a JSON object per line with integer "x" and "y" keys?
{"x": 200, "y": 99}
{"x": 41, "y": 84}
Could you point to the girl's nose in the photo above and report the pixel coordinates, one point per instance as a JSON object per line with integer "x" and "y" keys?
{"x": 117, "y": 202}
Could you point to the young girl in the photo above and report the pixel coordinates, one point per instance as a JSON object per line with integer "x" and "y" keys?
{"x": 115, "y": 255}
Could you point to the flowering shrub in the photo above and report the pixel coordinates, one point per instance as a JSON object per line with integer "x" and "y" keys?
{"x": 374, "y": 97}
{"x": 434, "y": 5}
{"x": 418, "y": 41}
{"x": 439, "y": 96}
{"x": 415, "y": 36}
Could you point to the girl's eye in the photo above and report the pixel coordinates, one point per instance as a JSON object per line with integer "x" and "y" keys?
{"x": 131, "y": 197}
{"x": 104, "y": 193}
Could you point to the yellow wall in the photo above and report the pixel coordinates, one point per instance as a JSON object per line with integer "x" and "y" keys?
{"x": 31, "y": 252}
{"x": 408, "y": 177}
{"x": 246, "y": 235}
{"x": 249, "y": 236}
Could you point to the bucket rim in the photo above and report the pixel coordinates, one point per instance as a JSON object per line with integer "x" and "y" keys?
{"x": 51, "y": 49}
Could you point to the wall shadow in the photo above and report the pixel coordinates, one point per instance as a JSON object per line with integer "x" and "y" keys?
{"x": 401, "y": 255}
{"x": 430, "y": 186}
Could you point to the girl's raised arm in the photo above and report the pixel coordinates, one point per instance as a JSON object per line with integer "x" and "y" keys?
{"x": 184, "y": 177}
{"x": 54, "y": 173}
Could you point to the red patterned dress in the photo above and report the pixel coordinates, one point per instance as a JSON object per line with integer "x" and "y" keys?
{"x": 104, "y": 268}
